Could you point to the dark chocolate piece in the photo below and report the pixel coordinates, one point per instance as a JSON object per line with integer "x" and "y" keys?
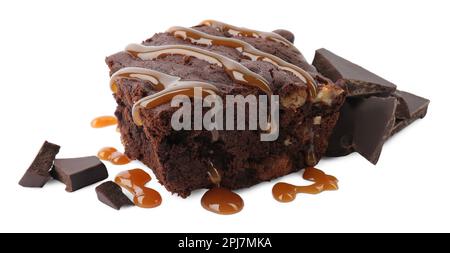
{"x": 77, "y": 173}
{"x": 285, "y": 34}
{"x": 359, "y": 81}
{"x": 363, "y": 126}
{"x": 38, "y": 172}
{"x": 111, "y": 194}
{"x": 409, "y": 105}
{"x": 409, "y": 108}
{"x": 374, "y": 120}
{"x": 373, "y": 110}
{"x": 341, "y": 140}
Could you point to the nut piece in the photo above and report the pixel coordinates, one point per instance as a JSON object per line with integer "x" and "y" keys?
{"x": 294, "y": 99}
{"x": 327, "y": 95}
{"x": 287, "y": 141}
{"x": 317, "y": 120}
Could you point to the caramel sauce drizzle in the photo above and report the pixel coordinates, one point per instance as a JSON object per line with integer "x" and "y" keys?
{"x": 167, "y": 87}
{"x": 245, "y": 32}
{"x": 134, "y": 181}
{"x": 235, "y": 70}
{"x": 165, "y": 97}
{"x": 103, "y": 121}
{"x": 218, "y": 199}
{"x": 118, "y": 158}
{"x": 285, "y": 192}
{"x": 112, "y": 155}
{"x": 157, "y": 79}
{"x": 247, "y": 50}
{"x": 105, "y": 153}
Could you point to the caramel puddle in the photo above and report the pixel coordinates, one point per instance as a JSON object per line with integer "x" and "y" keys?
{"x": 103, "y": 121}
{"x": 284, "y": 192}
{"x": 134, "y": 181}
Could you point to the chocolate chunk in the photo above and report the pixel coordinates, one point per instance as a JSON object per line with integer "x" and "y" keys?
{"x": 38, "y": 172}
{"x": 341, "y": 139}
{"x": 77, "y": 173}
{"x": 373, "y": 110}
{"x": 111, "y": 194}
{"x": 409, "y": 108}
{"x": 410, "y": 105}
{"x": 363, "y": 126}
{"x": 374, "y": 120}
{"x": 285, "y": 34}
{"x": 359, "y": 81}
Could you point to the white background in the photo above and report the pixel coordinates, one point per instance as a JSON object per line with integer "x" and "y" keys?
{"x": 54, "y": 81}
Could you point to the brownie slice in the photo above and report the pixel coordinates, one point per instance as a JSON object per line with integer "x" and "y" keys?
{"x": 180, "y": 159}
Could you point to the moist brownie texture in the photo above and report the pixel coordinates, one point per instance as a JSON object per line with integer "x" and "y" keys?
{"x": 181, "y": 159}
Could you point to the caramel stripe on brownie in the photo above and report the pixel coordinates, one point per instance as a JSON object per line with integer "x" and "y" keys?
{"x": 235, "y": 70}
{"x": 167, "y": 87}
{"x": 157, "y": 79}
{"x": 173, "y": 87}
{"x": 247, "y": 50}
{"x": 240, "y": 31}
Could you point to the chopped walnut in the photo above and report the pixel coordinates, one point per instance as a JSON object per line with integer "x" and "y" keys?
{"x": 317, "y": 120}
{"x": 327, "y": 95}
{"x": 295, "y": 99}
{"x": 287, "y": 141}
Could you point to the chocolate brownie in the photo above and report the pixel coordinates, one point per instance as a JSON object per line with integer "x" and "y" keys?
{"x": 235, "y": 61}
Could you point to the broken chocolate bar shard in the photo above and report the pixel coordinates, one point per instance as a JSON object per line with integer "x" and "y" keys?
{"x": 77, "y": 173}
{"x": 410, "y": 105}
{"x": 409, "y": 108}
{"x": 373, "y": 110}
{"x": 111, "y": 194}
{"x": 341, "y": 139}
{"x": 374, "y": 120}
{"x": 358, "y": 81}
{"x": 363, "y": 126}
{"x": 39, "y": 171}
